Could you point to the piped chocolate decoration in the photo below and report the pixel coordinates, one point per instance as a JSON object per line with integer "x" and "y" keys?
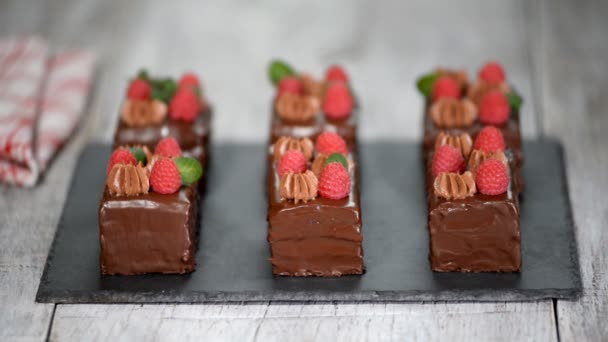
{"x": 128, "y": 180}
{"x": 284, "y": 144}
{"x": 477, "y": 157}
{"x": 139, "y": 113}
{"x": 452, "y": 113}
{"x": 299, "y": 186}
{"x": 313, "y": 87}
{"x": 462, "y": 142}
{"x": 454, "y": 185}
{"x": 297, "y": 108}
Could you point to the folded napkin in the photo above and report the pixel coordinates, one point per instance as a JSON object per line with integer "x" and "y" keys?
{"x": 42, "y": 97}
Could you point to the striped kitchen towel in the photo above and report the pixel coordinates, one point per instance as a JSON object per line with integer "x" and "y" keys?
{"x": 42, "y": 97}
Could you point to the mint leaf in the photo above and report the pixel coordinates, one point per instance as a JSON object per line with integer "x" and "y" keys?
{"x": 515, "y": 100}
{"x": 190, "y": 169}
{"x": 425, "y": 83}
{"x": 163, "y": 89}
{"x": 279, "y": 69}
{"x": 143, "y": 74}
{"x": 337, "y": 157}
{"x": 139, "y": 154}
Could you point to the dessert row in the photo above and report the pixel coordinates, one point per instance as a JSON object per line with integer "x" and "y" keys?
{"x": 149, "y": 212}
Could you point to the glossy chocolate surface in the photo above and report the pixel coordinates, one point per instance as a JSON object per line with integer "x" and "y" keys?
{"x": 346, "y": 128}
{"x": 150, "y": 233}
{"x": 321, "y": 237}
{"x": 479, "y": 233}
{"x": 193, "y": 138}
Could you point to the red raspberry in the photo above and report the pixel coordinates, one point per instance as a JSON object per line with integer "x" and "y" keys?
{"x": 489, "y": 139}
{"x": 447, "y": 159}
{"x": 168, "y": 147}
{"x": 139, "y": 90}
{"x": 338, "y": 102}
{"x": 189, "y": 80}
{"x": 165, "y": 177}
{"x": 290, "y": 85}
{"x": 494, "y": 108}
{"x": 121, "y": 156}
{"x": 334, "y": 181}
{"x": 293, "y": 161}
{"x": 336, "y": 73}
{"x": 491, "y": 177}
{"x": 330, "y": 142}
{"x": 492, "y": 73}
{"x": 445, "y": 86}
{"x": 185, "y": 105}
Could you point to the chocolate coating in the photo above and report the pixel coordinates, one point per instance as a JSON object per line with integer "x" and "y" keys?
{"x": 150, "y": 233}
{"x": 321, "y": 237}
{"x": 479, "y": 233}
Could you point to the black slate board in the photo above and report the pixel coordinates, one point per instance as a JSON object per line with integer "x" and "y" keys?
{"x": 233, "y": 254}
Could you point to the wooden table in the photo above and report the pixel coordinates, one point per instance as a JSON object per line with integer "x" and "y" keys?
{"x": 556, "y": 52}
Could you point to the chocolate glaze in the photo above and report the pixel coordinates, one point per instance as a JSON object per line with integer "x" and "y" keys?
{"x": 479, "y": 233}
{"x": 346, "y": 128}
{"x": 150, "y": 233}
{"x": 321, "y": 237}
{"x": 193, "y": 138}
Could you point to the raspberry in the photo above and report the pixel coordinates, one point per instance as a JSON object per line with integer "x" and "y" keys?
{"x": 489, "y": 139}
{"x": 445, "y": 86}
{"x": 189, "y": 80}
{"x": 491, "y": 177}
{"x": 338, "y": 103}
{"x": 334, "y": 181}
{"x": 139, "y": 90}
{"x": 290, "y": 85}
{"x": 184, "y": 105}
{"x": 330, "y": 142}
{"x": 165, "y": 177}
{"x": 447, "y": 159}
{"x": 292, "y": 160}
{"x": 494, "y": 108}
{"x": 121, "y": 156}
{"x": 168, "y": 147}
{"x": 336, "y": 73}
{"x": 492, "y": 73}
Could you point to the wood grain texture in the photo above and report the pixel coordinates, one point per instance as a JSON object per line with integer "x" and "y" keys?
{"x": 573, "y": 64}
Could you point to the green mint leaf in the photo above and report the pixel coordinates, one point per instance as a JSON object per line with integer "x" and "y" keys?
{"x": 139, "y": 154}
{"x": 279, "y": 69}
{"x": 337, "y": 157}
{"x": 163, "y": 89}
{"x": 143, "y": 74}
{"x": 190, "y": 169}
{"x": 425, "y": 83}
{"x": 515, "y": 100}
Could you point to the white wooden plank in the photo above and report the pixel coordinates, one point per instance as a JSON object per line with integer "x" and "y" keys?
{"x": 572, "y": 60}
{"x": 287, "y": 322}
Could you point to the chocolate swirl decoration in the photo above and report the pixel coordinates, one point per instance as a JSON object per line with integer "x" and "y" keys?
{"x": 299, "y": 186}
{"x": 477, "y": 157}
{"x": 138, "y": 113}
{"x": 128, "y": 180}
{"x": 460, "y": 75}
{"x": 451, "y": 185}
{"x": 284, "y": 144}
{"x": 476, "y": 92}
{"x": 461, "y": 142}
{"x": 313, "y": 87}
{"x": 452, "y": 113}
{"x": 297, "y": 108}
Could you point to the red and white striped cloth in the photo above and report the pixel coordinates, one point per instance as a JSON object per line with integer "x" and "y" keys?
{"x": 42, "y": 97}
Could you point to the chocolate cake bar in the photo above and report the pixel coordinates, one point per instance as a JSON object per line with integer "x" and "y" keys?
{"x": 189, "y": 123}
{"x": 314, "y": 211}
{"x": 148, "y": 233}
{"x": 474, "y": 182}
